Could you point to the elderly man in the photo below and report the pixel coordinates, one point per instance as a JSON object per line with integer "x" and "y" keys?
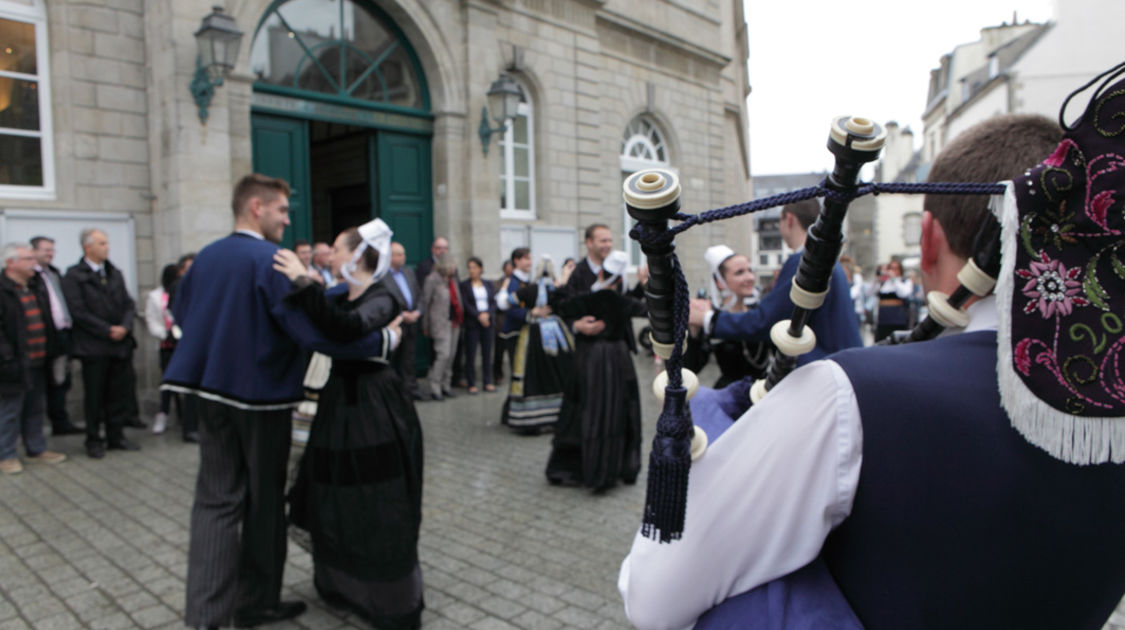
{"x": 407, "y": 292}
{"x": 25, "y": 326}
{"x": 103, "y": 314}
{"x": 426, "y": 265}
{"x": 58, "y": 376}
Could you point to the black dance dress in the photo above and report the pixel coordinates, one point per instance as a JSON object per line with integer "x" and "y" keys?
{"x": 598, "y": 437}
{"x": 359, "y": 484}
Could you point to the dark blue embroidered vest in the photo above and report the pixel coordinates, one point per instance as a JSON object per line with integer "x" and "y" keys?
{"x": 958, "y": 522}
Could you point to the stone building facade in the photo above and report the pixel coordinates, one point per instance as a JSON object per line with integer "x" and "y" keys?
{"x": 371, "y": 108}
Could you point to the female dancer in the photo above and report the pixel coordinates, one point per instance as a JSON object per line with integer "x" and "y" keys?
{"x": 478, "y": 297}
{"x": 893, "y": 291}
{"x": 359, "y": 485}
{"x": 732, "y": 286}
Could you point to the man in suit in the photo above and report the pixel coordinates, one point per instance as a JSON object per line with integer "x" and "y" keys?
{"x": 407, "y": 292}
{"x": 103, "y": 313}
{"x": 58, "y": 376}
{"x": 242, "y": 358}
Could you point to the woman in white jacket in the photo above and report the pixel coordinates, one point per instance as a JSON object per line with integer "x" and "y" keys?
{"x": 158, "y": 318}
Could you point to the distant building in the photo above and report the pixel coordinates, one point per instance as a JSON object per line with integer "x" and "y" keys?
{"x": 1022, "y": 68}
{"x": 768, "y": 251}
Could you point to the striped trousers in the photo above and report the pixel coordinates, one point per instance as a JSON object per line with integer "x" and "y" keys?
{"x": 237, "y": 549}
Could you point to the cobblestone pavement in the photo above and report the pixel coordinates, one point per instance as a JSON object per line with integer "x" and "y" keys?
{"x": 103, "y": 544}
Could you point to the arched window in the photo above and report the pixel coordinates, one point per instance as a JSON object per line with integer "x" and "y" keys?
{"x": 642, "y": 146}
{"x": 517, "y": 163}
{"x": 337, "y": 48}
{"x": 26, "y": 147}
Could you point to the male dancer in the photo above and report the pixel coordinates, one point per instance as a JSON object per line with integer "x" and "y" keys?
{"x": 243, "y": 356}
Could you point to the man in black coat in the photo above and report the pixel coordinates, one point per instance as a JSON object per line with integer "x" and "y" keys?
{"x": 25, "y": 327}
{"x": 404, "y": 287}
{"x": 103, "y": 313}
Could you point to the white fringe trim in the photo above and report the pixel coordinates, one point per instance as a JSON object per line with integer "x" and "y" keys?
{"x": 1066, "y": 437}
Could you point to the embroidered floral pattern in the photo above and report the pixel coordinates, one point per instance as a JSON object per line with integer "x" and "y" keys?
{"x": 1053, "y": 288}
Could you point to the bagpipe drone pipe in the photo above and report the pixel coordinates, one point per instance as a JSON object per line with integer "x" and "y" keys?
{"x": 652, "y": 198}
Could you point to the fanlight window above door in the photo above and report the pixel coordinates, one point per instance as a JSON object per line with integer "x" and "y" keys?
{"x": 338, "y": 48}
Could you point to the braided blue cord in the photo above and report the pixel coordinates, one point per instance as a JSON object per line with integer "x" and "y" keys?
{"x": 688, "y": 221}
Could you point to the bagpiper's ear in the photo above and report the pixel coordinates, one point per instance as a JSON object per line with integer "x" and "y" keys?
{"x": 933, "y": 241}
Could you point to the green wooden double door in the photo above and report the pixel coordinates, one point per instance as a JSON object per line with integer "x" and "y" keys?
{"x": 390, "y": 178}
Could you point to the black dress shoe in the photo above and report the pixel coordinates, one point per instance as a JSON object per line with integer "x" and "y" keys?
{"x": 418, "y": 396}
{"x": 192, "y": 437}
{"x": 449, "y": 394}
{"x": 95, "y": 451}
{"x": 124, "y": 444}
{"x": 136, "y": 423}
{"x": 68, "y": 429}
{"x": 283, "y": 611}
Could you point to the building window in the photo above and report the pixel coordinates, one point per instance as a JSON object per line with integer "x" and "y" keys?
{"x": 26, "y": 153}
{"x": 769, "y": 235}
{"x": 764, "y": 260}
{"x": 337, "y": 48}
{"x": 912, "y": 229}
{"x": 642, "y": 146}
{"x": 517, "y": 163}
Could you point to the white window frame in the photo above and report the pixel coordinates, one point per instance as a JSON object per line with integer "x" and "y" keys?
{"x": 36, "y": 15}
{"x": 508, "y": 178}
{"x": 630, "y": 165}
{"x": 906, "y": 229}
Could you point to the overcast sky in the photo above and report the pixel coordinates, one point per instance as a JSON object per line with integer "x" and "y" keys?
{"x": 812, "y": 60}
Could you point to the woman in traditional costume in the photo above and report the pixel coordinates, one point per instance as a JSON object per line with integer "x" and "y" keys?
{"x": 359, "y": 485}
{"x": 732, "y": 290}
{"x": 542, "y": 365}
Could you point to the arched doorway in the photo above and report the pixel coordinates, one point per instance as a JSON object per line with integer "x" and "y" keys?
{"x": 341, "y": 110}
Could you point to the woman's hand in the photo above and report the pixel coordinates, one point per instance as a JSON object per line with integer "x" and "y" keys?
{"x": 286, "y": 262}
{"x": 541, "y": 311}
{"x": 395, "y": 326}
{"x": 483, "y": 319}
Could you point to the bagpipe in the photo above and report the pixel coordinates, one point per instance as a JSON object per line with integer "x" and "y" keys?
{"x": 652, "y": 198}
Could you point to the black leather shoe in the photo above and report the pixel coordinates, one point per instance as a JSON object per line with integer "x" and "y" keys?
{"x": 449, "y": 394}
{"x": 136, "y": 423}
{"x": 418, "y": 396}
{"x": 192, "y": 437}
{"x": 95, "y": 451}
{"x": 284, "y": 610}
{"x": 437, "y": 397}
{"x": 125, "y": 444}
{"x": 68, "y": 429}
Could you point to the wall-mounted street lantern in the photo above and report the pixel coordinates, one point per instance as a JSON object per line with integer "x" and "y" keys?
{"x": 503, "y": 99}
{"x": 217, "y": 40}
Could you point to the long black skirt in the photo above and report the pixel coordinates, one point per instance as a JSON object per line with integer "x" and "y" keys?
{"x": 598, "y": 437}
{"x": 539, "y": 382}
{"x": 359, "y": 495}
